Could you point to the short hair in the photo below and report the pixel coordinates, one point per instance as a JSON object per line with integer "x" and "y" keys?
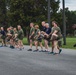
{"x": 11, "y": 27}
{"x": 47, "y": 24}
{"x": 36, "y": 26}
{"x": 43, "y": 22}
{"x": 19, "y": 25}
{"x": 55, "y": 22}
{"x": 32, "y": 23}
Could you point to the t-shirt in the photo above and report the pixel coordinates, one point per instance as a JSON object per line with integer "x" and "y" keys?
{"x": 15, "y": 32}
{"x": 57, "y": 29}
{"x": 3, "y": 33}
{"x": 43, "y": 28}
{"x": 36, "y": 32}
{"x": 11, "y": 32}
{"x": 48, "y": 30}
{"x": 32, "y": 30}
{"x": 20, "y": 33}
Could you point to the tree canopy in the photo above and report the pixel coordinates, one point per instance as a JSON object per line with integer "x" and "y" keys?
{"x": 14, "y": 12}
{"x": 26, "y": 11}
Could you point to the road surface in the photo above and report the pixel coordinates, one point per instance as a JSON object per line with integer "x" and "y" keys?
{"x": 15, "y": 62}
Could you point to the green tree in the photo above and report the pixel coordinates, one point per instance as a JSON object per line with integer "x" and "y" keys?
{"x": 70, "y": 20}
{"x": 25, "y": 11}
{"x": 2, "y": 13}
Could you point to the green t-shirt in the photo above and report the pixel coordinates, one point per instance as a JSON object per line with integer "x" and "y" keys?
{"x": 11, "y": 32}
{"x": 57, "y": 29}
{"x": 20, "y": 34}
{"x": 15, "y": 32}
{"x": 36, "y": 32}
{"x": 32, "y": 30}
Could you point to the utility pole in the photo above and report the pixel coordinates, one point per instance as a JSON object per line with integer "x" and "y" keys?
{"x": 64, "y": 23}
{"x": 5, "y": 13}
{"x": 49, "y": 12}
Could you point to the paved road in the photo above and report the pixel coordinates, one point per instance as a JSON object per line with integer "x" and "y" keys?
{"x": 15, "y": 62}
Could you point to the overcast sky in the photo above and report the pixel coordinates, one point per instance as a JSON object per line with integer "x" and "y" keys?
{"x": 71, "y": 4}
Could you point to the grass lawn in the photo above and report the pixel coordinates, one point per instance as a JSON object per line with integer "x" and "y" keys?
{"x": 69, "y": 43}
